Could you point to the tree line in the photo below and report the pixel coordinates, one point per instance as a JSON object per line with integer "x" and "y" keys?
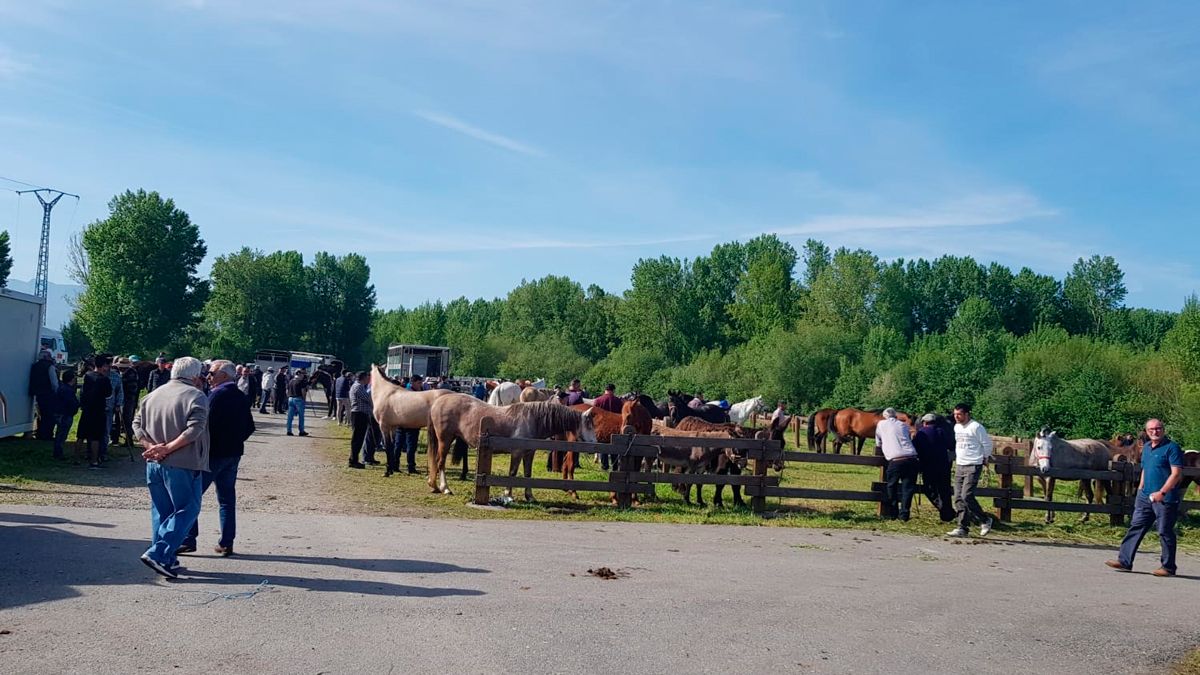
{"x": 813, "y": 327}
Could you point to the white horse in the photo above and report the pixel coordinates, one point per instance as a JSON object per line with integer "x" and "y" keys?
{"x": 740, "y": 412}
{"x": 505, "y": 393}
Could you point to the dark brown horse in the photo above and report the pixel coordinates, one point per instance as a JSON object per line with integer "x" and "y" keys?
{"x": 774, "y": 432}
{"x": 820, "y": 423}
{"x": 856, "y": 426}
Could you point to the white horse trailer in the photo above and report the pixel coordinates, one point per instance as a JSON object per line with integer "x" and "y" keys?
{"x": 21, "y": 316}
{"x": 423, "y": 360}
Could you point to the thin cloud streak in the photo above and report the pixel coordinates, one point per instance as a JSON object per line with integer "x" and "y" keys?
{"x": 971, "y": 211}
{"x": 453, "y": 124}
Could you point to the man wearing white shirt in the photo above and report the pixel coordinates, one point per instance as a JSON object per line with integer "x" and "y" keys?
{"x": 894, "y": 440}
{"x": 972, "y": 446}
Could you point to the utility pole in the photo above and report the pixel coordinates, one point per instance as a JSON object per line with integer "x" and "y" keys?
{"x": 41, "y": 283}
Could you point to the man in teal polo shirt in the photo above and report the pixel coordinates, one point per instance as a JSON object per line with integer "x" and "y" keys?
{"x": 1157, "y": 504}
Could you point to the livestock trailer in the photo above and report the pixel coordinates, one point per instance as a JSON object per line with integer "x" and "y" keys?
{"x": 21, "y": 316}
{"x": 423, "y": 360}
{"x": 282, "y": 358}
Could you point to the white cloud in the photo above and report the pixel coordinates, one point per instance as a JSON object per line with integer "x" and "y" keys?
{"x": 475, "y": 132}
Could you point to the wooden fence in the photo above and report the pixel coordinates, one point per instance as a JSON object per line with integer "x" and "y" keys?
{"x": 630, "y": 450}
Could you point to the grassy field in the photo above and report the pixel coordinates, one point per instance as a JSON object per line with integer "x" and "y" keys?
{"x": 403, "y": 494}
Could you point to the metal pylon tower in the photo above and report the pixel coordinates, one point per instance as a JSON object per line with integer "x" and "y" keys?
{"x": 41, "y": 282}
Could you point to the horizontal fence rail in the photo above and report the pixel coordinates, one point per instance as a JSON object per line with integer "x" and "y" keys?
{"x": 630, "y": 479}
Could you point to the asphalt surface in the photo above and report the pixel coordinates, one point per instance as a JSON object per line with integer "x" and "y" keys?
{"x": 362, "y": 594}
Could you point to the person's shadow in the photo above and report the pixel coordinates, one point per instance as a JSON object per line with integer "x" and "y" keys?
{"x": 40, "y": 562}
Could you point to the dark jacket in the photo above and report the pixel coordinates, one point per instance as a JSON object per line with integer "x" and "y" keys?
{"x": 342, "y": 386}
{"x": 66, "y": 403}
{"x": 281, "y": 383}
{"x": 158, "y": 377}
{"x": 229, "y": 421}
{"x": 930, "y": 443}
{"x": 132, "y": 385}
{"x": 297, "y": 388}
{"x": 40, "y": 382}
{"x": 96, "y": 390}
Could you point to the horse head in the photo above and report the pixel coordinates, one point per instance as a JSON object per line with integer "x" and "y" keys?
{"x": 587, "y": 427}
{"x": 1043, "y": 448}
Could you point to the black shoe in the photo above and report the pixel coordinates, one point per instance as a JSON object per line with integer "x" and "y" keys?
{"x": 185, "y": 548}
{"x": 159, "y": 567}
{"x": 357, "y": 465}
{"x": 290, "y": 434}
{"x": 413, "y": 470}
{"x": 303, "y": 433}
{"x": 370, "y": 462}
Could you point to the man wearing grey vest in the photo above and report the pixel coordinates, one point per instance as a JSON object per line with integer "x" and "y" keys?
{"x": 172, "y": 427}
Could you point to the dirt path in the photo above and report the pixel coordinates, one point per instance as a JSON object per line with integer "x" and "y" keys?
{"x": 278, "y": 474}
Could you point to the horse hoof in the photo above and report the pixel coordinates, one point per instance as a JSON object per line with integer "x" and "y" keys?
{"x": 446, "y": 491}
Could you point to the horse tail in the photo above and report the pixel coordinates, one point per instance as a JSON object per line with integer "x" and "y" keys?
{"x": 812, "y": 436}
{"x": 460, "y": 451}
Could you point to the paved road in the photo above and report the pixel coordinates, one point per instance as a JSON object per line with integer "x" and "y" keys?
{"x": 364, "y": 594}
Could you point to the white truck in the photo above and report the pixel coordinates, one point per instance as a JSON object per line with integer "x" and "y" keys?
{"x": 21, "y": 317}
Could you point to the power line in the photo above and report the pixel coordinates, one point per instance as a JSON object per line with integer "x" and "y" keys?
{"x": 21, "y": 182}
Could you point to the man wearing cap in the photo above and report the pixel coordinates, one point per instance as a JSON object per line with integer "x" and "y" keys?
{"x": 893, "y": 440}
{"x": 113, "y": 406}
{"x": 297, "y": 391}
{"x": 933, "y": 446}
{"x": 43, "y": 383}
{"x": 159, "y": 376}
{"x": 130, "y": 389}
{"x": 268, "y": 385}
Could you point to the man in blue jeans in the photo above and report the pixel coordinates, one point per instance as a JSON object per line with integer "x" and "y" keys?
{"x": 1157, "y": 505}
{"x": 171, "y": 425}
{"x": 297, "y": 391}
{"x": 229, "y": 425}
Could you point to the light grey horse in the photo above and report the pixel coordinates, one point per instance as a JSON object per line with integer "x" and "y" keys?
{"x": 1053, "y": 452}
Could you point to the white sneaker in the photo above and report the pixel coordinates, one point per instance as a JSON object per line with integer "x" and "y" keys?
{"x": 957, "y": 532}
{"x": 985, "y": 528}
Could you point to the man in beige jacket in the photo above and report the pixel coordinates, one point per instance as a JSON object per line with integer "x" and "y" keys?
{"x": 172, "y": 427}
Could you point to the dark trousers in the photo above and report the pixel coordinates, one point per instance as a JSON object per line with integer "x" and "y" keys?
{"x": 406, "y": 442}
{"x": 966, "y": 481}
{"x": 45, "y": 423}
{"x": 374, "y": 440}
{"x": 901, "y": 475}
{"x": 280, "y": 401}
{"x": 360, "y": 422}
{"x": 935, "y": 480}
{"x": 1160, "y": 516}
{"x": 224, "y": 474}
{"x": 127, "y": 413}
{"x": 62, "y": 428}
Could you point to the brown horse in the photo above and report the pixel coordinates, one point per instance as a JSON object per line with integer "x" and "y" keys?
{"x": 606, "y": 424}
{"x": 820, "y": 423}
{"x": 856, "y": 426}
{"x": 1050, "y": 451}
{"x": 696, "y": 459}
{"x": 774, "y": 432}
{"x": 395, "y": 407}
{"x": 457, "y": 416}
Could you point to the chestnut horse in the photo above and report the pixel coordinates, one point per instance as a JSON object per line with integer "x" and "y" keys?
{"x": 606, "y": 424}
{"x": 820, "y": 423}
{"x": 456, "y": 417}
{"x": 856, "y": 426}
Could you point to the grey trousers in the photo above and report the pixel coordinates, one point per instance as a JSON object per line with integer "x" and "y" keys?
{"x": 966, "y": 480}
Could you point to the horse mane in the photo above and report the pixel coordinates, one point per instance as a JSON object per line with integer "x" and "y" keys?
{"x": 539, "y": 419}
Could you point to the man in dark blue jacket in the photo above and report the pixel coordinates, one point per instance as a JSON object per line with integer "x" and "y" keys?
{"x": 933, "y": 442}
{"x": 43, "y": 384}
{"x": 229, "y": 425}
{"x": 66, "y": 403}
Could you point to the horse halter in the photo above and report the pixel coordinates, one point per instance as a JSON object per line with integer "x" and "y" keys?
{"x": 1042, "y": 455}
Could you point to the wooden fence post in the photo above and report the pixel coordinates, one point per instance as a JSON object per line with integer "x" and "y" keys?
{"x": 627, "y": 464}
{"x": 1117, "y": 490}
{"x": 796, "y": 421}
{"x": 1003, "y": 466}
{"x": 483, "y": 463}
{"x": 758, "y": 503}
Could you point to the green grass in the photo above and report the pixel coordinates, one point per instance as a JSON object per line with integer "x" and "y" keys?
{"x": 1188, "y": 665}
{"x": 407, "y": 495}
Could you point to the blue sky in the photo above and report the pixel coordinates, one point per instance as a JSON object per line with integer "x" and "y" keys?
{"x": 463, "y": 146}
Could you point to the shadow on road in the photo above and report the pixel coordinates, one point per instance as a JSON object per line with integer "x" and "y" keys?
{"x": 42, "y": 563}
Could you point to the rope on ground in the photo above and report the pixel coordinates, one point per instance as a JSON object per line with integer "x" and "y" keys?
{"x": 262, "y": 587}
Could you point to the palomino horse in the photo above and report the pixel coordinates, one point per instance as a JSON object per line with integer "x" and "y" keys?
{"x": 533, "y": 394}
{"x": 820, "y": 424}
{"x": 456, "y": 418}
{"x": 398, "y": 408}
{"x": 741, "y": 411}
{"x": 1053, "y": 452}
{"x": 856, "y": 426}
{"x": 505, "y": 393}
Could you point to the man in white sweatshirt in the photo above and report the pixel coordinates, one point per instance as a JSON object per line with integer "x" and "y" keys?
{"x": 972, "y": 447}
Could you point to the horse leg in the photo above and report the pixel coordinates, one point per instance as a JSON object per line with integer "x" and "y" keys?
{"x": 1049, "y": 500}
{"x": 528, "y": 474}
{"x": 738, "y": 502}
{"x": 438, "y": 450}
{"x": 1085, "y": 486}
{"x": 389, "y": 450}
{"x": 858, "y": 445}
{"x": 432, "y": 479}
{"x": 567, "y": 459}
{"x": 514, "y": 462}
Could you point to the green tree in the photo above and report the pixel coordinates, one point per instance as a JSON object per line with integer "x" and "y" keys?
{"x": 816, "y": 259}
{"x": 340, "y": 303}
{"x": 1182, "y": 342}
{"x": 844, "y": 292}
{"x": 6, "y": 261}
{"x": 547, "y": 356}
{"x": 655, "y": 314}
{"x": 630, "y": 368}
{"x": 1094, "y": 288}
{"x": 766, "y": 293}
{"x": 596, "y": 333}
{"x": 257, "y": 302}
{"x": 552, "y": 304}
{"x": 1140, "y": 327}
{"x": 141, "y": 289}
{"x": 78, "y": 344}
{"x": 1037, "y": 302}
